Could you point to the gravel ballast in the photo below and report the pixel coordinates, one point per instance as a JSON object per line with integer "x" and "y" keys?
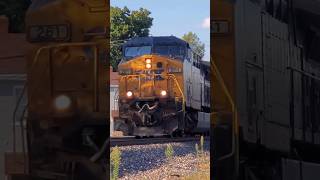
{"x": 149, "y": 161}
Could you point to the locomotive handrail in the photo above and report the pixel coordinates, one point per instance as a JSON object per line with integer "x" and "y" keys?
{"x": 179, "y": 88}
{"x": 22, "y": 126}
{"x": 169, "y": 75}
{"x": 14, "y": 116}
{"x": 75, "y": 44}
{"x": 235, "y": 122}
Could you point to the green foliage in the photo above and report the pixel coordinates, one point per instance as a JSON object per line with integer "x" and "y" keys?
{"x": 15, "y": 10}
{"x": 195, "y": 43}
{"x": 126, "y": 24}
{"x": 115, "y": 158}
{"x": 169, "y": 151}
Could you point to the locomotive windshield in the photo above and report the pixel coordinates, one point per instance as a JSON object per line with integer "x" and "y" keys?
{"x": 174, "y": 51}
{"x": 163, "y": 45}
{"x": 137, "y": 51}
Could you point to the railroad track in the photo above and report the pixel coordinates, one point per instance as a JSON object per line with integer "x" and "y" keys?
{"x": 127, "y": 141}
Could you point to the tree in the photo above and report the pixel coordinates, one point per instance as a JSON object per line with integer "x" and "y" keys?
{"x": 15, "y": 10}
{"x": 126, "y": 24}
{"x": 195, "y": 43}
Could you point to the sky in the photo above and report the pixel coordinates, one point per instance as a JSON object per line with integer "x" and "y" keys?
{"x": 176, "y": 17}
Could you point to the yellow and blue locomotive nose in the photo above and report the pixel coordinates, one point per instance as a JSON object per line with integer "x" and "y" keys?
{"x": 149, "y": 77}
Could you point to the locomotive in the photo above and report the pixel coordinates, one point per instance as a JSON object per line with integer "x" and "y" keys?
{"x": 67, "y": 78}
{"x": 266, "y": 94}
{"x": 164, "y": 88}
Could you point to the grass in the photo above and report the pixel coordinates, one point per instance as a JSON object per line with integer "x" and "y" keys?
{"x": 115, "y": 159}
{"x": 203, "y": 166}
{"x": 203, "y": 171}
{"x": 169, "y": 151}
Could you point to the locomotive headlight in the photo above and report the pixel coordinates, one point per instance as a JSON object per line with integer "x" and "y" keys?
{"x": 129, "y": 94}
{"x": 163, "y": 93}
{"x": 148, "y": 66}
{"x": 62, "y": 102}
{"x": 148, "y": 61}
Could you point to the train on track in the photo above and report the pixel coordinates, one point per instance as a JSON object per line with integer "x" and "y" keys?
{"x": 67, "y": 77}
{"x": 164, "y": 88}
{"x": 266, "y": 89}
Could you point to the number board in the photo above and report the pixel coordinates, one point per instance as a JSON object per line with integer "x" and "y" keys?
{"x": 220, "y": 27}
{"x": 49, "y": 33}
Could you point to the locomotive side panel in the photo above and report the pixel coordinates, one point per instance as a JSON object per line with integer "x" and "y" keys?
{"x": 310, "y": 131}
{"x": 263, "y": 78}
{"x": 187, "y": 76}
{"x": 249, "y": 69}
{"x": 276, "y": 57}
{"x": 205, "y": 89}
{"x": 196, "y": 81}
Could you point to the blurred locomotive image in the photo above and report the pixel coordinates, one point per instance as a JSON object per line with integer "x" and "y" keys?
{"x": 265, "y": 101}
{"x": 67, "y": 78}
{"x": 164, "y": 88}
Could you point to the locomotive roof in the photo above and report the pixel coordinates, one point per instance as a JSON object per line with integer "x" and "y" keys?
{"x": 156, "y": 40}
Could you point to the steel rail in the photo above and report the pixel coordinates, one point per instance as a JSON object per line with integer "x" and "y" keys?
{"x": 129, "y": 141}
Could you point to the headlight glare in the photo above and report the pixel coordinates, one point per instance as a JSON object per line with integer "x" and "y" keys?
{"x": 129, "y": 94}
{"x": 163, "y": 93}
{"x": 148, "y": 61}
{"x": 62, "y": 102}
{"x": 148, "y": 66}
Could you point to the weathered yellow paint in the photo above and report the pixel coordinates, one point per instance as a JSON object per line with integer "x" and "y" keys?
{"x": 143, "y": 88}
{"x": 223, "y": 88}
{"x": 223, "y": 55}
{"x": 71, "y": 68}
